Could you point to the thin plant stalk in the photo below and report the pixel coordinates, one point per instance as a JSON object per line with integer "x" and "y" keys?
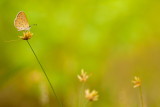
{"x": 45, "y": 74}
{"x": 81, "y": 94}
{"x": 86, "y": 103}
{"x": 140, "y": 91}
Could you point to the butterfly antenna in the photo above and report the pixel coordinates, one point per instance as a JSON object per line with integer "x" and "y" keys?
{"x": 33, "y": 25}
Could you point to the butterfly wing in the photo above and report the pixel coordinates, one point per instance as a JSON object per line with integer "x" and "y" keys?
{"x": 21, "y": 22}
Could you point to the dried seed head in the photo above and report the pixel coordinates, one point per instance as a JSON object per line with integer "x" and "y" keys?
{"x": 136, "y": 82}
{"x": 83, "y": 77}
{"x": 91, "y": 96}
{"x": 26, "y": 35}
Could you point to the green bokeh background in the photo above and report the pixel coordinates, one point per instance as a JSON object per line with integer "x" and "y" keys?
{"x": 114, "y": 40}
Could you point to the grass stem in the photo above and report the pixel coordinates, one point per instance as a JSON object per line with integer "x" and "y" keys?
{"x": 86, "y": 103}
{"x": 140, "y": 91}
{"x": 81, "y": 94}
{"x": 45, "y": 74}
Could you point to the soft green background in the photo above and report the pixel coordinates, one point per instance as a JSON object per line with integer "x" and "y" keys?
{"x": 114, "y": 40}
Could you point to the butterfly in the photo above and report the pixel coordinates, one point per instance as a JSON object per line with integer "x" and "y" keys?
{"x": 21, "y": 22}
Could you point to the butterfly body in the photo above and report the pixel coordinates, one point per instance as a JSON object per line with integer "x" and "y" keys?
{"x": 21, "y": 22}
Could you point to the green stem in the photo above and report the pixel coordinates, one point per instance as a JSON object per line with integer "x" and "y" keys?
{"x": 45, "y": 74}
{"x": 80, "y": 95}
{"x": 140, "y": 90}
{"x": 86, "y": 103}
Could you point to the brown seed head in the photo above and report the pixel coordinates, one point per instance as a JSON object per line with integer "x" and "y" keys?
{"x": 26, "y": 35}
